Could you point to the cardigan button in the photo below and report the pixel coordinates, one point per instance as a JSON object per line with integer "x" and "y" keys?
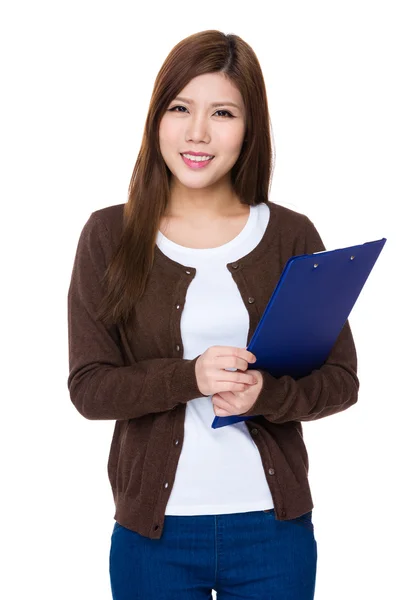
{"x": 177, "y": 347}
{"x": 254, "y": 431}
{"x": 188, "y": 272}
{"x": 235, "y": 266}
{"x": 251, "y": 300}
{"x": 271, "y": 471}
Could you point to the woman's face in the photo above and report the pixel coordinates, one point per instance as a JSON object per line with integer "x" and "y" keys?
{"x": 199, "y": 126}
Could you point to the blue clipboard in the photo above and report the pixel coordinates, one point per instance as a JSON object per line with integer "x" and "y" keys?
{"x": 307, "y": 310}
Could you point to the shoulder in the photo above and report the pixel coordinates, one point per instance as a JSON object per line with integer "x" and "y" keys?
{"x": 287, "y": 217}
{"x": 101, "y": 232}
{"x": 295, "y": 230}
{"x": 110, "y": 216}
{"x": 107, "y": 224}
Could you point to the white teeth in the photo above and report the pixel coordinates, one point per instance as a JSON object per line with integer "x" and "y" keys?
{"x": 197, "y": 158}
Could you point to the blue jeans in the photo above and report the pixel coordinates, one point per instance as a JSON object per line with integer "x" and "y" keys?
{"x": 247, "y": 555}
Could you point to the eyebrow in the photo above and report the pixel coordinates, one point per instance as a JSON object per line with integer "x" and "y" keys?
{"x": 214, "y": 104}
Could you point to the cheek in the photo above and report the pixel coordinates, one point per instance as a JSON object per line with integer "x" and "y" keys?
{"x": 167, "y": 132}
{"x": 232, "y": 141}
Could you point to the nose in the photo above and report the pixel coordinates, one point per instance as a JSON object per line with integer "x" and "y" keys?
{"x": 198, "y": 129}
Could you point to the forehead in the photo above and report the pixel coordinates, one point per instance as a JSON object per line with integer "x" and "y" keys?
{"x": 212, "y": 89}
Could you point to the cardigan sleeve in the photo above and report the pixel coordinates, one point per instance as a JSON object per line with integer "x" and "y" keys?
{"x": 100, "y": 385}
{"x": 325, "y": 391}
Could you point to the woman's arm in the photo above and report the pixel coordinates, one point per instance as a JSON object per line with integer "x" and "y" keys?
{"x": 99, "y": 383}
{"x": 328, "y": 390}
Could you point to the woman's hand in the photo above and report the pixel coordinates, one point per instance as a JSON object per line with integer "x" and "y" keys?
{"x": 226, "y": 404}
{"x": 224, "y": 369}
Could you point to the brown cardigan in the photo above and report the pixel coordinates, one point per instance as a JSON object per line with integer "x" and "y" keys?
{"x": 139, "y": 378}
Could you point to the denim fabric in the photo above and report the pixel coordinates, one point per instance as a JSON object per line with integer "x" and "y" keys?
{"x": 241, "y": 555}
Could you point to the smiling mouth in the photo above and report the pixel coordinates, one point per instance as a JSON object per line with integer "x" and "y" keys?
{"x": 197, "y": 157}
{"x": 196, "y": 165}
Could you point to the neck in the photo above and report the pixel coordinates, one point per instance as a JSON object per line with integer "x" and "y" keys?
{"x": 205, "y": 202}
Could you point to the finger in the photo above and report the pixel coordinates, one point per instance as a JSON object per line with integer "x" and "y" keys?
{"x": 222, "y": 408}
{"x": 220, "y": 402}
{"x": 225, "y": 396}
{"x": 236, "y": 359}
{"x": 242, "y": 353}
{"x": 219, "y": 412}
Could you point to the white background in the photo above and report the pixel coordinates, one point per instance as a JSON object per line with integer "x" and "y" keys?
{"x": 76, "y": 82}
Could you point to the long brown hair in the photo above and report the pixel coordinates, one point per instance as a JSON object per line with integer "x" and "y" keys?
{"x": 208, "y": 51}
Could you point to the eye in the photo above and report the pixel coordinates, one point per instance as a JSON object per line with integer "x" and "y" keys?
{"x": 221, "y": 111}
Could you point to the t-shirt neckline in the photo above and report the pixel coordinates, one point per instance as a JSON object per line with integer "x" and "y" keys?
{"x": 247, "y": 259}
{"x": 209, "y": 252}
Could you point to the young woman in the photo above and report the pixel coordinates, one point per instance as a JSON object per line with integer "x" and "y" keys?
{"x": 166, "y": 292}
